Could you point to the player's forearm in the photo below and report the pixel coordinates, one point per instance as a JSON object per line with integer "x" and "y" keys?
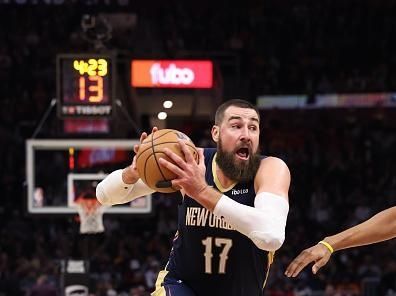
{"x": 114, "y": 189}
{"x": 264, "y": 224}
{"x": 208, "y": 197}
{"x": 379, "y": 228}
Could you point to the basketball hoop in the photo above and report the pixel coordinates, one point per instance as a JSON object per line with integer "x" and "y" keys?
{"x": 91, "y": 215}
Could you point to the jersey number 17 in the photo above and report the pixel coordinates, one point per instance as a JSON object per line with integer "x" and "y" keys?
{"x": 225, "y": 244}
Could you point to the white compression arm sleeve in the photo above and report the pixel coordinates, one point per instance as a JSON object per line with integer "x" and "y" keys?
{"x": 264, "y": 223}
{"x": 112, "y": 190}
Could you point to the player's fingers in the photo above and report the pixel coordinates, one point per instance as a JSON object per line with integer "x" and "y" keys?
{"x": 154, "y": 129}
{"x": 298, "y": 268}
{"x": 187, "y": 153}
{"x": 319, "y": 264}
{"x": 134, "y": 162}
{"x": 143, "y": 136}
{"x": 201, "y": 157}
{"x": 176, "y": 158}
{"x": 170, "y": 166}
{"x": 136, "y": 148}
{"x": 291, "y": 269}
{"x": 297, "y": 265}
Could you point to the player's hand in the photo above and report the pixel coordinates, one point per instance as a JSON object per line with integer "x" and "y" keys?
{"x": 318, "y": 254}
{"x": 130, "y": 174}
{"x": 190, "y": 174}
{"x": 143, "y": 136}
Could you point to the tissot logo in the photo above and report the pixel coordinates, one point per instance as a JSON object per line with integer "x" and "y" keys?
{"x": 239, "y": 191}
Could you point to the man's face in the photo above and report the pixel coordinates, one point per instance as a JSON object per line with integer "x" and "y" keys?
{"x": 237, "y": 139}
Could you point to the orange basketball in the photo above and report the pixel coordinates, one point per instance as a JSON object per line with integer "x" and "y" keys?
{"x": 151, "y": 150}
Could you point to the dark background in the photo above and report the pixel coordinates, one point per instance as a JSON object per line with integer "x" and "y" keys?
{"x": 342, "y": 160}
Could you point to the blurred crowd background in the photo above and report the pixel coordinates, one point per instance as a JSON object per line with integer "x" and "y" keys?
{"x": 342, "y": 160}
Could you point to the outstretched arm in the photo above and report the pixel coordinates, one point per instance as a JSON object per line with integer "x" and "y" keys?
{"x": 379, "y": 228}
{"x": 123, "y": 185}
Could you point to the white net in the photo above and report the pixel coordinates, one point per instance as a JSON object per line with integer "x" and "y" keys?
{"x": 91, "y": 216}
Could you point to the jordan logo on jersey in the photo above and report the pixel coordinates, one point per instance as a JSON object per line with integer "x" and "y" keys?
{"x": 239, "y": 191}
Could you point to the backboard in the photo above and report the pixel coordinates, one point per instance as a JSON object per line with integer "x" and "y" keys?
{"x": 60, "y": 171}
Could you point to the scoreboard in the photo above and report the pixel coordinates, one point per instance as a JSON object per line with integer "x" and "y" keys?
{"x": 85, "y": 85}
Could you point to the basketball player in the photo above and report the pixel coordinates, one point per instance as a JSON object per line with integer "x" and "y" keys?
{"x": 233, "y": 214}
{"x": 379, "y": 228}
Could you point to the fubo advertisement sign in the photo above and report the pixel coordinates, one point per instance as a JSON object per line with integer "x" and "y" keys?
{"x": 172, "y": 73}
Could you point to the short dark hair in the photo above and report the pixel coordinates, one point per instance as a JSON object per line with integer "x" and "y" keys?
{"x": 234, "y": 102}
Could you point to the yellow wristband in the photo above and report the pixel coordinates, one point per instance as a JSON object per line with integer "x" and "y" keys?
{"x": 328, "y": 246}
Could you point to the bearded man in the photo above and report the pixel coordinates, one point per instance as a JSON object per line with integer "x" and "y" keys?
{"x": 234, "y": 210}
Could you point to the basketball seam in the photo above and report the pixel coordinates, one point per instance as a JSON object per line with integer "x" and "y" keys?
{"x": 145, "y": 164}
{"x": 153, "y": 146}
{"x": 152, "y": 138}
{"x": 141, "y": 152}
{"x": 155, "y": 158}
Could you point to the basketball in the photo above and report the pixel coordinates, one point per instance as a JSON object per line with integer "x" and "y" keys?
{"x": 151, "y": 150}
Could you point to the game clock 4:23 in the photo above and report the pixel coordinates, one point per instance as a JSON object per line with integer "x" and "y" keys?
{"x": 85, "y": 85}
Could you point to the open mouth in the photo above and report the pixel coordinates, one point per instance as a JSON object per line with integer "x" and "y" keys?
{"x": 242, "y": 153}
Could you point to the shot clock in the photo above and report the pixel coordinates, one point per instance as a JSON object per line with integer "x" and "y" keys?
{"x": 85, "y": 85}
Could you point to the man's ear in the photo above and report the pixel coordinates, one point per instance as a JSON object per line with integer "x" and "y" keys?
{"x": 215, "y": 133}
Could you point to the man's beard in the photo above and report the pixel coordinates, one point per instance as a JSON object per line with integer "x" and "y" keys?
{"x": 238, "y": 171}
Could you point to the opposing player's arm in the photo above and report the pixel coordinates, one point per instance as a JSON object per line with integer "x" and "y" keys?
{"x": 378, "y": 228}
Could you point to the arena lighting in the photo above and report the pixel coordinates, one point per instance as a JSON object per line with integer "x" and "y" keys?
{"x": 162, "y": 115}
{"x": 167, "y": 104}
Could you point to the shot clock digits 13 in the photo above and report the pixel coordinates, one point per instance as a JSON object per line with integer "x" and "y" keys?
{"x": 84, "y": 85}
